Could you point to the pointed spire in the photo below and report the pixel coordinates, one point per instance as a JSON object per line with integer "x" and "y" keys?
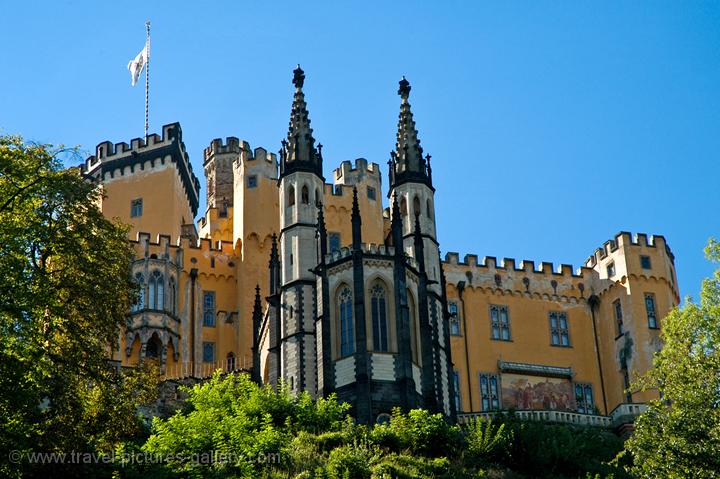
{"x": 356, "y": 222}
{"x": 419, "y": 246}
{"x": 299, "y": 151}
{"x": 408, "y": 163}
{"x": 257, "y": 306}
{"x": 396, "y": 226}
{"x": 322, "y": 233}
{"x": 274, "y": 266}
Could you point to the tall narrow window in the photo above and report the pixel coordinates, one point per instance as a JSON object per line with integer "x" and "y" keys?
{"x": 230, "y": 361}
{"x": 456, "y": 387}
{"x": 611, "y": 270}
{"x": 645, "y": 262}
{"x": 500, "y": 322}
{"x": 157, "y": 290}
{"x": 489, "y": 388}
{"x": 291, "y": 195}
{"x": 378, "y": 306}
{"x": 318, "y": 202}
{"x": 208, "y": 352}
{"x": 454, "y": 318}
{"x": 428, "y": 208}
{"x": 333, "y": 242}
{"x": 584, "y": 399}
{"x": 140, "y": 303}
{"x": 416, "y": 206}
{"x": 559, "y": 334}
{"x": 209, "y": 308}
{"x": 347, "y": 336}
{"x": 305, "y": 195}
{"x": 136, "y": 208}
{"x": 618, "y": 317}
{"x": 650, "y": 308}
{"x": 371, "y": 193}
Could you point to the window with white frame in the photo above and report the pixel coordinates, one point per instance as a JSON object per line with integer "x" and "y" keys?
{"x": 559, "y": 332}
{"x": 454, "y": 318}
{"x": 650, "y": 308}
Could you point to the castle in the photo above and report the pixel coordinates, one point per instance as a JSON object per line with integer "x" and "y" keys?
{"x": 318, "y": 286}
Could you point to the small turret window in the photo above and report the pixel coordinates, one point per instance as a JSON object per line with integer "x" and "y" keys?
{"x": 136, "y": 208}
{"x": 429, "y": 209}
{"x": 416, "y": 206}
{"x": 317, "y": 197}
{"x": 305, "y": 195}
{"x": 291, "y": 196}
{"x": 371, "y": 193}
{"x": 157, "y": 290}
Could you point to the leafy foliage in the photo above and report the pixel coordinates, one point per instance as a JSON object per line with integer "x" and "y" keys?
{"x": 63, "y": 298}
{"x": 679, "y": 435}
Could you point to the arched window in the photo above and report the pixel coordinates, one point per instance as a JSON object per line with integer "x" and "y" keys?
{"x": 140, "y": 302}
{"x": 416, "y": 206}
{"x": 172, "y": 291}
{"x": 378, "y": 308}
{"x": 291, "y": 196}
{"x": 403, "y": 207}
{"x": 157, "y": 290}
{"x": 317, "y": 197}
{"x": 305, "y": 195}
{"x": 153, "y": 347}
{"x": 345, "y": 315}
{"x": 429, "y": 209}
{"x": 412, "y": 316}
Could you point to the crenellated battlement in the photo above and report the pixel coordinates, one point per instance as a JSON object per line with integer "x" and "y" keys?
{"x": 111, "y": 160}
{"x": 629, "y": 240}
{"x": 490, "y": 263}
{"x": 202, "y": 244}
{"x": 217, "y": 147}
{"x": 259, "y": 154}
{"x": 350, "y": 174}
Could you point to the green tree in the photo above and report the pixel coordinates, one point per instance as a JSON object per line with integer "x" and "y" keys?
{"x": 64, "y": 295}
{"x": 679, "y": 435}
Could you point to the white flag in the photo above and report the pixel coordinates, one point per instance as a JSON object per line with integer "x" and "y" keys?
{"x": 137, "y": 64}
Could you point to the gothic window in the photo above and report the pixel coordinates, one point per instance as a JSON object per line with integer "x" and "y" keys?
{"x": 140, "y": 303}
{"x": 208, "y": 352}
{"x": 403, "y": 207}
{"x": 650, "y": 308}
{"x": 209, "y": 308}
{"x": 136, "y": 208}
{"x": 378, "y": 306}
{"x": 333, "y": 242}
{"x": 489, "y": 395}
{"x": 416, "y": 206}
{"x": 172, "y": 293}
{"x": 559, "y": 333}
{"x": 454, "y": 318}
{"x": 317, "y": 197}
{"x": 584, "y": 399}
{"x": 291, "y": 196}
{"x": 305, "y": 195}
{"x": 412, "y": 317}
{"x": 428, "y": 208}
{"x": 645, "y": 262}
{"x": 456, "y": 387}
{"x": 157, "y": 290}
{"x": 618, "y": 317}
{"x": 347, "y": 331}
{"x": 500, "y": 322}
{"x": 230, "y": 361}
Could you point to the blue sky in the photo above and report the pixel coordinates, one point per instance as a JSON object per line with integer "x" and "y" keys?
{"x": 552, "y": 125}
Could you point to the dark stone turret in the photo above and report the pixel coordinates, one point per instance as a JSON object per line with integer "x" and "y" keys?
{"x": 257, "y": 320}
{"x": 356, "y": 222}
{"x": 298, "y": 152}
{"x": 407, "y": 162}
{"x": 274, "y": 266}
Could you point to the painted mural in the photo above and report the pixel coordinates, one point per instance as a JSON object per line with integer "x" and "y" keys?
{"x": 537, "y": 392}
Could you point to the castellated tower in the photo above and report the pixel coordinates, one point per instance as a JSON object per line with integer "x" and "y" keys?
{"x": 635, "y": 285}
{"x": 301, "y": 192}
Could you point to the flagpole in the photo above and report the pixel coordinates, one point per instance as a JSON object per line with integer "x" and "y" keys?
{"x": 147, "y": 77}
